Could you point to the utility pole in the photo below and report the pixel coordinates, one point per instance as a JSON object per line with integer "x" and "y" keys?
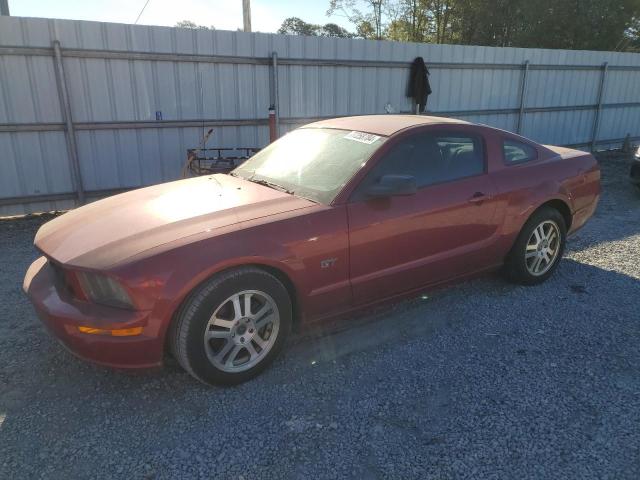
{"x": 4, "y": 8}
{"x": 246, "y": 14}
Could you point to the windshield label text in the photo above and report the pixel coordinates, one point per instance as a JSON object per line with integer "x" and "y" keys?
{"x": 362, "y": 137}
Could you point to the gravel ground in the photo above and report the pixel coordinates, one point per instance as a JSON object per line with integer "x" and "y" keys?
{"x": 482, "y": 380}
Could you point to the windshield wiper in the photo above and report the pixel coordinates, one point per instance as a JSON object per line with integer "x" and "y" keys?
{"x": 280, "y": 188}
{"x": 269, "y": 184}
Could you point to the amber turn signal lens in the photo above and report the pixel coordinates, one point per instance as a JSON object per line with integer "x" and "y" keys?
{"x": 121, "y": 332}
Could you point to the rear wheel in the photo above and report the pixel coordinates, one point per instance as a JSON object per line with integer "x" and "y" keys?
{"x": 538, "y": 249}
{"x": 233, "y": 327}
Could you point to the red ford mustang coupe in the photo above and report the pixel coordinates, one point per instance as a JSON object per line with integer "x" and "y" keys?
{"x": 332, "y": 217}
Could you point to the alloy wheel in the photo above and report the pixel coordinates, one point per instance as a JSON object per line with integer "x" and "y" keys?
{"x": 542, "y": 248}
{"x": 242, "y": 331}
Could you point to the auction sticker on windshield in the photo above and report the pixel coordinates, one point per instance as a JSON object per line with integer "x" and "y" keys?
{"x": 362, "y": 137}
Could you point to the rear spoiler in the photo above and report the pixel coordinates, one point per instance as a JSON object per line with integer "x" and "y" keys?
{"x": 565, "y": 152}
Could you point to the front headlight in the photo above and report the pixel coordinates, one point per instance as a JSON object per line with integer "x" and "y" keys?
{"x": 637, "y": 155}
{"x": 105, "y": 290}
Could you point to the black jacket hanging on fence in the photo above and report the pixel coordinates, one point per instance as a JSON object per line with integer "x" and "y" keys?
{"x": 419, "y": 88}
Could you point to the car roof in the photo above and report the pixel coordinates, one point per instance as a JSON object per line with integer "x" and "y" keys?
{"x": 386, "y": 125}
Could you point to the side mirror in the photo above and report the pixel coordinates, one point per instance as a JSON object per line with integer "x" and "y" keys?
{"x": 392, "y": 185}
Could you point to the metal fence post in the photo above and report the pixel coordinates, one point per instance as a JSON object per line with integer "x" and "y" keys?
{"x": 276, "y": 93}
{"x": 70, "y": 133}
{"x": 523, "y": 95}
{"x": 596, "y": 119}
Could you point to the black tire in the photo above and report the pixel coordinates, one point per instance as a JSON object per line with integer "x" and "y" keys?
{"x": 187, "y": 334}
{"x": 515, "y": 268}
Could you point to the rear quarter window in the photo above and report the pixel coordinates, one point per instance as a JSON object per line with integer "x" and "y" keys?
{"x": 517, "y": 152}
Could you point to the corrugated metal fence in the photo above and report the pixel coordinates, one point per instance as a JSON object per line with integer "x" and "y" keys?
{"x": 90, "y": 108}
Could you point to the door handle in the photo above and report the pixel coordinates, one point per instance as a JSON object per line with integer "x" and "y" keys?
{"x": 478, "y": 198}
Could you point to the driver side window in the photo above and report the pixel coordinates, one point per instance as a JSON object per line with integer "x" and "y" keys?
{"x": 430, "y": 159}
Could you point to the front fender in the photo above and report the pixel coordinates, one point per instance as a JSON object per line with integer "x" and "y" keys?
{"x": 164, "y": 280}
{"x": 295, "y": 247}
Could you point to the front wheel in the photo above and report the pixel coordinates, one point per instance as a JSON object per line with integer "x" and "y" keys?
{"x": 233, "y": 327}
{"x": 538, "y": 249}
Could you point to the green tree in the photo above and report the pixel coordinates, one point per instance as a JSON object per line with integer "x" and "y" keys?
{"x": 297, "y": 26}
{"x": 410, "y": 20}
{"x": 192, "y": 26}
{"x": 489, "y": 22}
{"x": 567, "y": 24}
{"x": 365, "y": 29}
{"x": 580, "y": 24}
{"x": 333, "y": 30}
{"x": 631, "y": 39}
{"x": 368, "y": 22}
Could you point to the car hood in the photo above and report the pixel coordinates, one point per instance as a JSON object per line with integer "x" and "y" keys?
{"x": 109, "y": 231}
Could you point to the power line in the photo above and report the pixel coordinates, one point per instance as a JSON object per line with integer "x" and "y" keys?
{"x": 141, "y": 11}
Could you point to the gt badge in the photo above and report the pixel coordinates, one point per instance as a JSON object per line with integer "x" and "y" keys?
{"x": 328, "y": 262}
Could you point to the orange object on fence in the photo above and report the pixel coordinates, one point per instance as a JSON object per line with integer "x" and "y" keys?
{"x": 273, "y": 134}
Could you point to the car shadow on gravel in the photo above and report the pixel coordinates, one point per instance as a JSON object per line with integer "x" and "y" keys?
{"x": 576, "y": 289}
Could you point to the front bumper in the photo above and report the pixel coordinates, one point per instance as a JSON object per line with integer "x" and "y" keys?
{"x": 63, "y": 314}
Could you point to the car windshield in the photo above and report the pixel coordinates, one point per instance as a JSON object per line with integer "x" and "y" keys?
{"x": 315, "y": 163}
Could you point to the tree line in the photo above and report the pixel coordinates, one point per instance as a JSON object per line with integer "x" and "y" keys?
{"x": 566, "y": 24}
